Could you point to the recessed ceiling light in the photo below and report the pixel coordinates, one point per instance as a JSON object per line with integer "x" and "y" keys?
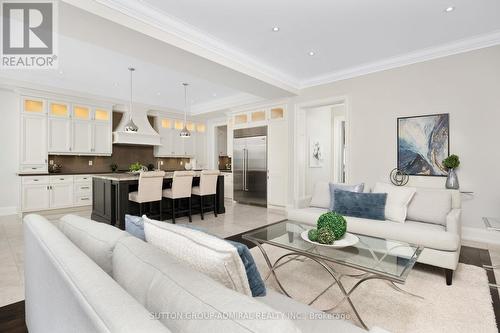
{"x": 276, "y": 29}
{"x": 116, "y": 84}
{"x": 158, "y": 93}
{"x": 214, "y": 94}
{"x": 311, "y": 53}
{"x": 449, "y": 9}
{"x": 61, "y": 72}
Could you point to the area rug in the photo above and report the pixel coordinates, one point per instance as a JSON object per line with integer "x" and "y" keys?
{"x": 465, "y": 306}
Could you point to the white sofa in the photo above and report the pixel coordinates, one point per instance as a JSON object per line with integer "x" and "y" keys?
{"x": 433, "y": 221}
{"x": 85, "y": 276}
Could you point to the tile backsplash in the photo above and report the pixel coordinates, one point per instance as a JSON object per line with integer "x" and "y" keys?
{"x": 123, "y": 156}
{"x": 224, "y": 163}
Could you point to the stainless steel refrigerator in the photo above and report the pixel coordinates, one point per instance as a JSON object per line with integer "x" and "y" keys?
{"x": 250, "y": 166}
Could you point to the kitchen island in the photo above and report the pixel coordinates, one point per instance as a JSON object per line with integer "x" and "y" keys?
{"x": 110, "y": 196}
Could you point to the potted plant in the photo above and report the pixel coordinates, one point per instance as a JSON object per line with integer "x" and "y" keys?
{"x": 451, "y": 163}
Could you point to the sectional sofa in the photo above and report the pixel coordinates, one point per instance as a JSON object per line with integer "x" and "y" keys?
{"x": 433, "y": 221}
{"x": 85, "y": 276}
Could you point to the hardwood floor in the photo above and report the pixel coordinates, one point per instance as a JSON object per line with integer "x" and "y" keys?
{"x": 12, "y": 316}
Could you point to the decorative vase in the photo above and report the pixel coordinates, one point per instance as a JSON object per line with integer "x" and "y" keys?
{"x": 452, "y": 180}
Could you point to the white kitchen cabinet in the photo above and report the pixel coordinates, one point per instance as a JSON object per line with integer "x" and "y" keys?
{"x": 230, "y": 137}
{"x": 35, "y": 197}
{"x": 189, "y": 145}
{"x": 58, "y": 191}
{"x": 228, "y": 185}
{"x": 33, "y": 106}
{"x": 277, "y": 152}
{"x": 59, "y": 135}
{"x": 201, "y": 149}
{"x": 33, "y": 154}
{"x": 102, "y": 138}
{"x": 61, "y": 195}
{"x": 222, "y": 141}
{"x": 82, "y": 136}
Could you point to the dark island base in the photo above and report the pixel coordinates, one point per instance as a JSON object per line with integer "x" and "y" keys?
{"x": 110, "y": 201}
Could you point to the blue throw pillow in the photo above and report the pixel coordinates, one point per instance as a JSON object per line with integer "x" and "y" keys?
{"x": 257, "y": 285}
{"x": 134, "y": 225}
{"x": 364, "y": 205}
{"x": 343, "y": 187}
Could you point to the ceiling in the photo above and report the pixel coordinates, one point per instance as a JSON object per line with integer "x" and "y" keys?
{"x": 228, "y": 52}
{"x": 94, "y": 55}
{"x": 343, "y": 34}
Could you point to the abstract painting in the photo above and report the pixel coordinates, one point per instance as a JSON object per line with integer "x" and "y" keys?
{"x": 423, "y": 143}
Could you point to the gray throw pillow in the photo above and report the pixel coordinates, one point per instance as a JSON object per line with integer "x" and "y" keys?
{"x": 363, "y": 205}
{"x": 134, "y": 225}
{"x": 343, "y": 187}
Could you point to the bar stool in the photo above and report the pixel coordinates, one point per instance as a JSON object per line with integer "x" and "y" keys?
{"x": 150, "y": 189}
{"x": 207, "y": 188}
{"x": 181, "y": 188}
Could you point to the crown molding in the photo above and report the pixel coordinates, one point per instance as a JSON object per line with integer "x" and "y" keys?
{"x": 149, "y": 20}
{"x": 461, "y": 46}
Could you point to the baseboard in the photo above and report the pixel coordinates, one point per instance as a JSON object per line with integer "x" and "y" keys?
{"x": 8, "y": 211}
{"x": 481, "y": 235}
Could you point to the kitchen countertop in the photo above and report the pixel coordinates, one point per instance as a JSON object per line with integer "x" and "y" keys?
{"x": 128, "y": 176}
{"x": 77, "y": 173}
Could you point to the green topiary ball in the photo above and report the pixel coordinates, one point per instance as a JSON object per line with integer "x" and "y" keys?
{"x": 313, "y": 235}
{"x": 325, "y": 236}
{"x": 334, "y": 222}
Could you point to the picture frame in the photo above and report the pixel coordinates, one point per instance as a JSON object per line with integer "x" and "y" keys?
{"x": 422, "y": 143}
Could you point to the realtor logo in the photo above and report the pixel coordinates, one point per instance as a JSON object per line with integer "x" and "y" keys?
{"x": 29, "y": 34}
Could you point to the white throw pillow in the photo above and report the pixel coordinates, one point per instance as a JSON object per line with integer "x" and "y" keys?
{"x": 398, "y": 198}
{"x": 430, "y": 205}
{"x": 207, "y": 254}
{"x": 321, "y": 195}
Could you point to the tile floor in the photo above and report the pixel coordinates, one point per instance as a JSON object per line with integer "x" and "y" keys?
{"x": 237, "y": 219}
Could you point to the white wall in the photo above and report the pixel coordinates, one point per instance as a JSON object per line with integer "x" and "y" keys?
{"x": 467, "y": 86}
{"x": 9, "y": 143}
{"x": 319, "y": 127}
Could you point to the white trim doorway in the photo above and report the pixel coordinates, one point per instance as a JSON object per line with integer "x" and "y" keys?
{"x": 301, "y": 142}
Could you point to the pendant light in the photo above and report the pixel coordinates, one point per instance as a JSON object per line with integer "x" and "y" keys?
{"x": 185, "y": 132}
{"x": 131, "y": 126}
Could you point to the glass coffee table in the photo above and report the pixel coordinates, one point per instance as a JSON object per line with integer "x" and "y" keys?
{"x": 374, "y": 258}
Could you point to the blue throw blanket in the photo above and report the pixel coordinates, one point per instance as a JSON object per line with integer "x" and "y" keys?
{"x": 255, "y": 281}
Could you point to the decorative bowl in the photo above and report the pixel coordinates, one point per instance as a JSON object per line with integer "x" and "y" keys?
{"x": 348, "y": 240}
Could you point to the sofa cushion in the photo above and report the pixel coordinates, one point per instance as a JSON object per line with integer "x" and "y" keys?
{"x": 96, "y": 239}
{"x": 66, "y": 291}
{"x": 430, "y": 205}
{"x": 321, "y": 195}
{"x": 307, "y": 319}
{"x": 343, "y": 187}
{"x": 398, "y": 198}
{"x": 203, "y": 252}
{"x": 425, "y": 234}
{"x": 365, "y": 205}
{"x": 168, "y": 287}
{"x": 309, "y": 215}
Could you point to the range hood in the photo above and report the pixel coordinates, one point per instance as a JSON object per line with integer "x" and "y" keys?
{"x": 145, "y": 136}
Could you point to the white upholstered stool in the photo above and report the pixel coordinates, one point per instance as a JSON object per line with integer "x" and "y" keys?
{"x": 150, "y": 189}
{"x": 207, "y": 188}
{"x": 182, "y": 184}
